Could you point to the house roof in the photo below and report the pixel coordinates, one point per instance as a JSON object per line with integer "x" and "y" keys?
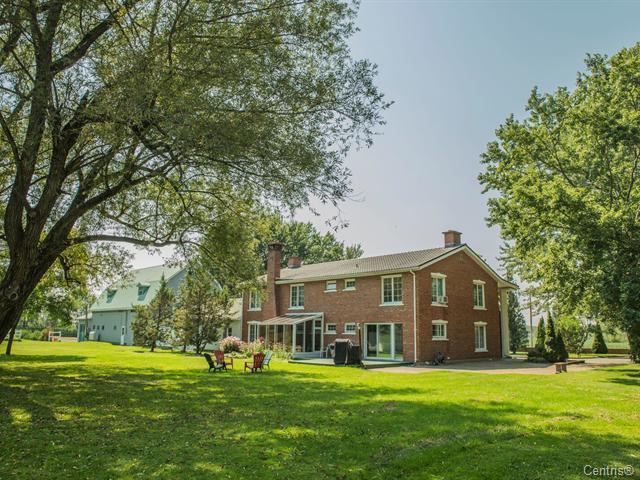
{"x": 392, "y": 263}
{"x": 126, "y": 290}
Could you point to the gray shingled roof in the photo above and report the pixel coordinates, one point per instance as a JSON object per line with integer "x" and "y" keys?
{"x": 126, "y": 290}
{"x": 359, "y": 266}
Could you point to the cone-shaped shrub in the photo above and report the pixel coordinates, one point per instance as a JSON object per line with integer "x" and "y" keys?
{"x": 541, "y": 336}
{"x": 551, "y": 342}
{"x": 599, "y": 346}
{"x": 562, "y": 349}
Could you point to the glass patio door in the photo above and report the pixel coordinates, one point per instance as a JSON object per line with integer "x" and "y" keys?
{"x": 384, "y": 341}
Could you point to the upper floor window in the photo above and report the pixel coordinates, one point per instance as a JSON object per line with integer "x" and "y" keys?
{"x": 439, "y": 289}
{"x": 331, "y": 286}
{"x": 350, "y": 284}
{"x": 110, "y": 295}
{"x": 350, "y": 328}
{"x": 478, "y": 294}
{"x": 392, "y": 289}
{"x": 332, "y": 328}
{"x": 255, "y": 301}
{"x": 142, "y": 292}
{"x": 296, "y": 299}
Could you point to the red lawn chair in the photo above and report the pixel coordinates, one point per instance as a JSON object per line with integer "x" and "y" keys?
{"x": 256, "y": 365}
{"x": 219, "y": 354}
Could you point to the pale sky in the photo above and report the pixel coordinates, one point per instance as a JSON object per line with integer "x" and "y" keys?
{"x": 456, "y": 70}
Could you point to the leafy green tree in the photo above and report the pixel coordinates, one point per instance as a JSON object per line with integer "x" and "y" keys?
{"x": 575, "y": 332}
{"x": 599, "y": 345}
{"x": 303, "y": 240}
{"x": 205, "y": 310}
{"x": 566, "y": 194}
{"x": 551, "y": 350}
{"x": 153, "y": 323}
{"x": 141, "y": 121}
{"x": 541, "y": 336}
{"x": 518, "y": 335}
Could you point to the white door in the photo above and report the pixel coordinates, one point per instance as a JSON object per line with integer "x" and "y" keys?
{"x": 122, "y": 332}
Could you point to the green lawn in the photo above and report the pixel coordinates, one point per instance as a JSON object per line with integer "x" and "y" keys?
{"x": 93, "y": 410}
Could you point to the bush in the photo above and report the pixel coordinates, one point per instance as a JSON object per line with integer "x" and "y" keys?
{"x": 230, "y": 344}
{"x": 551, "y": 353}
{"x": 535, "y": 356}
{"x": 280, "y": 350}
{"x": 253, "y": 347}
{"x": 44, "y": 335}
{"x": 562, "y": 349}
{"x": 31, "y": 335}
{"x": 599, "y": 345}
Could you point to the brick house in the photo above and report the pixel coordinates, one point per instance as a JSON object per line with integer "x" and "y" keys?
{"x": 402, "y": 306}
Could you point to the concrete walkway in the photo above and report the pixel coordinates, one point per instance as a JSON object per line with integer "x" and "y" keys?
{"x": 507, "y": 366}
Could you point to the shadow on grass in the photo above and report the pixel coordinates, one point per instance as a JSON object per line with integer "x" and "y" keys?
{"x": 153, "y": 423}
{"x": 29, "y": 359}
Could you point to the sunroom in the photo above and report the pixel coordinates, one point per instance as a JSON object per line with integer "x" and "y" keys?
{"x": 302, "y": 333}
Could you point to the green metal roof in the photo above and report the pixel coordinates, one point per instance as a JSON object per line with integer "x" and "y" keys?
{"x": 124, "y": 294}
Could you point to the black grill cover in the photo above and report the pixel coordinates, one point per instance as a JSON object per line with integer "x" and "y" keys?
{"x": 341, "y": 351}
{"x": 353, "y": 355}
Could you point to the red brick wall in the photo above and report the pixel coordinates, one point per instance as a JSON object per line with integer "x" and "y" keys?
{"x": 363, "y": 306}
{"x": 461, "y": 270}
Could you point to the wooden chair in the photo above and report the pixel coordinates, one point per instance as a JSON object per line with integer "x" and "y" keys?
{"x": 267, "y": 359}
{"x": 256, "y": 365}
{"x": 215, "y": 366}
{"x": 219, "y": 354}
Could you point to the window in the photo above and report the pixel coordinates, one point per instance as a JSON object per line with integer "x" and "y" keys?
{"x": 110, "y": 295}
{"x": 438, "y": 289}
{"x": 142, "y": 292}
{"x": 350, "y": 328}
{"x": 481, "y": 336}
{"x": 392, "y": 290}
{"x": 297, "y": 296}
{"x": 478, "y": 294}
{"x": 439, "y": 330}
{"x": 350, "y": 284}
{"x": 228, "y": 332}
{"x": 115, "y": 327}
{"x": 253, "y": 332}
{"x": 332, "y": 328}
{"x": 331, "y": 286}
{"x": 102, "y": 327}
{"x": 255, "y": 301}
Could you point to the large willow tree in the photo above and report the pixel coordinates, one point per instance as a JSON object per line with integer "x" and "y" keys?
{"x": 567, "y": 179}
{"x": 145, "y": 121}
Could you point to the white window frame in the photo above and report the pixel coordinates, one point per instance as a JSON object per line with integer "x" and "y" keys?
{"x": 297, "y": 286}
{"x": 330, "y": 290}
{"x": 229, "y": 332}
{"x": 479, "y": 284}
{"x": 393, "y": 289}
{"x": 254, "y": 332}
{"x": 444, "y": 325}
{"x": 253, "y": 295}
{"x": 355, "y": 328}
{"x": 349, "y": 289}
{"x": 476, "y": 325}
{"x": 443, "y": 277}
{"x": 331, "y": 332}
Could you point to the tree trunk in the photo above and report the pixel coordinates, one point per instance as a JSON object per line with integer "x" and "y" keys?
{"x": 10, "y": 342}
{"x": 10, "y": 312}
{"x": 633, "y": 334}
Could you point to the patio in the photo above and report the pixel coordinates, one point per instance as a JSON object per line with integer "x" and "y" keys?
{"x": 368, "y": 364}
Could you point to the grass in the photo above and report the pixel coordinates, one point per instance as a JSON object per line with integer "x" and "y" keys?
{"x": 99, "y": 411}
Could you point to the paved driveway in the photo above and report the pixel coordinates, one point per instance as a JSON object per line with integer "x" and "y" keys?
{"x": 506, "y": 365}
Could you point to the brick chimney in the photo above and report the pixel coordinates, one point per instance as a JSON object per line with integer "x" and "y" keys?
{"x": 274, "y": 257}
{"x": 451, "y": 238}
{"x": 294, "y": 261}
